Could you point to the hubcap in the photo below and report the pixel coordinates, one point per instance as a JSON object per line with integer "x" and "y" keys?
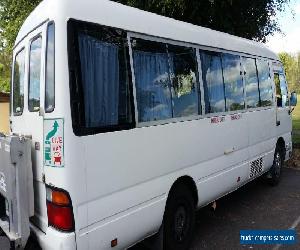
{"x": 277, "y": 165}
{"x": 180, "y": 223}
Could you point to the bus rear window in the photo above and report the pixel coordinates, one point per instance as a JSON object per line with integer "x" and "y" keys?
{"x": 18, "y": 83}
{"x": 34, "y": 75}
{"x": 50, "y": 75}
{"x": 100, "y": 91}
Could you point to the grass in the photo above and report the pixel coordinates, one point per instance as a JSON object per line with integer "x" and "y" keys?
{"x": 296, "y": 123}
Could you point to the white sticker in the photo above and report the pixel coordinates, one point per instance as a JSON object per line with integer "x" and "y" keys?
{"x": 7, "y": 148}
{"x": 54, "y": 143}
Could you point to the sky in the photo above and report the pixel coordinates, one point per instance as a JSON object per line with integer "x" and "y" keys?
{"x": 289, "y": 21}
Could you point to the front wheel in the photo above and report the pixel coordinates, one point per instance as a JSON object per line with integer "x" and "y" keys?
{"x": 179, "y": 219}
{"x": 274, "y": 173}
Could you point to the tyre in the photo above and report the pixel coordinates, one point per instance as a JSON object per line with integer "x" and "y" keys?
{"x": 179, "y": 219}
{"x": 274, "y": 173}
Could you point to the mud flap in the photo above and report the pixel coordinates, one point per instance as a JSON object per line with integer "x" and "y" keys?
{"x": 16, "y": 189}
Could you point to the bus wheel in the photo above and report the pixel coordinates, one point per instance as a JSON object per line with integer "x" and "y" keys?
{"x": 275, "y": 171}
{"x": 179, "y": 219}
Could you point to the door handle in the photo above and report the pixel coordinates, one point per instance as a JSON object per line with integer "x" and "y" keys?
{"x": 229, "y": 151}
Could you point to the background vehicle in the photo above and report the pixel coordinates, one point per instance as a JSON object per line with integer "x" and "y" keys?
{"x": 137, "y": 120}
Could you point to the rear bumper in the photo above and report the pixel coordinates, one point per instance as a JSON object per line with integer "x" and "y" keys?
{"x": 54, "y": 239}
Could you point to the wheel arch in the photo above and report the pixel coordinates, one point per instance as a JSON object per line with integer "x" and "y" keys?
{"x": 281, "y": 145}
{"x": 189, "y": 182}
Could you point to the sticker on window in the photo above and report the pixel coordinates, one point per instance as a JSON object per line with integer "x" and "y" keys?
{"x": 54, "y": 142}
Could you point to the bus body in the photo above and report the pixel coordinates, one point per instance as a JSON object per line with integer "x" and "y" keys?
{"x": 123, "y": 105}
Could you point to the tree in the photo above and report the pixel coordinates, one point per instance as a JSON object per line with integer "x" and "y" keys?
{"x": 4, "y": 72}
{"x": 291, "y": 64}
{"x": 12, "y": 15}
{"x": 254, "y": 19}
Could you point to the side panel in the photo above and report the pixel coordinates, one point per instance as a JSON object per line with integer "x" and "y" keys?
{"x": 129, "y": 169}
{"x": 262, "y": 133}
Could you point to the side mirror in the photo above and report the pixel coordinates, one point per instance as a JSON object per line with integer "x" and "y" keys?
{"x": 293, "y": 99}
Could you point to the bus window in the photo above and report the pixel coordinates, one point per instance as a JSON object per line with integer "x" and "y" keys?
{"x": 34, "y": 75}
{"x": 281, "y": 90}
{"x": 213, "y": 82}
{"x": 284, "y": 91}
{"x": 183, "y": 69}
{"x": 251, "y": 82}
{"x": 151, "y": 68}
{"x": 265, "y": 84}
{"x": 100, "y": 90}
{"x": 18, "y": 83}
{"x": 50, "y": 81}
{"x": 234, "y": 87}
{"x": 166, "y": 81}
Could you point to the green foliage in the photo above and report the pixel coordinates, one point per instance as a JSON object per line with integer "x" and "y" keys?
{"x": 291, "y": 65}
{"x": 12, "y": 15}
{"x": 4, "y": 72}
{"x": 254, "y": 19}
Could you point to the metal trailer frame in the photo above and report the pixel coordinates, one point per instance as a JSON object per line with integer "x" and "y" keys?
{"x": 16, "y": 189}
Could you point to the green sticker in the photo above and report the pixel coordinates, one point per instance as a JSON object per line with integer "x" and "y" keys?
{"x": 54, "y": 142}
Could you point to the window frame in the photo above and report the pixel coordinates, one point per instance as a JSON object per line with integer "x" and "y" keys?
{"x": 132, "y": 35}
{"x": 198, "y": 48}
{"x": 241, "y": 78}
{"x": 219, "y": 55}
{"x": 244, "y": 79}
{"x": 23, "y": 48}
{"x": 75, "y": 81}
{"x": 272, "y": 87}
{"x": 282, "y": 73}
{"x": 46, "y": 63}
{"x": 75, "y": 64}
{"x": 34, "y": 38}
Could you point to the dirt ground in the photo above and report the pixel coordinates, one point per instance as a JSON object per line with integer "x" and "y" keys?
{"x": 294, "y": 162}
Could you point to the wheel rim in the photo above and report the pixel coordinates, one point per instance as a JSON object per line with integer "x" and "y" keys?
{"x": 181, "y": 223}
{"x": 277, "y": 165}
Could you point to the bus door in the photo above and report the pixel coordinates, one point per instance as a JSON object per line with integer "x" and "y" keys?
{"x": 283, "y": 120}
{"x": 28, "y": 109}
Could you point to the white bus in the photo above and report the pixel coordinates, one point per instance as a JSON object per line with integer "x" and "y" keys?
{"x": 138, "y": 120}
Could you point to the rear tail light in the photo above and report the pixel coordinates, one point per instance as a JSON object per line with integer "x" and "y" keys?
{"x": 59, "y": 209}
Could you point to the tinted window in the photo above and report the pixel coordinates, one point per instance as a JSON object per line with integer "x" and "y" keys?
{"x": 183, "y": 70}
{"x": 265, "y": 83}
{"x": 100, "y": 80}
{"x": 251, "y": 82}
{"x": 18, "y": 83}
{"x": 151, "y": 67}
{"x": 49, "y": 95}
{"x": 284, "y": 91}
{"x": 213, "y": 82}
{"x": 234, "y": 87}
{"x": 166, "y": 82}
{"x": 34, "y": 75}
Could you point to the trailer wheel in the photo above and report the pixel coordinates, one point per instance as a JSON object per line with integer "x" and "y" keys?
{"x": 274, "y": 173}
{"x": 179, "y": 219}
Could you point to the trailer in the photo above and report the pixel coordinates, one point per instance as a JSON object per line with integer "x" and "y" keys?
{"x": 16, "y": 189}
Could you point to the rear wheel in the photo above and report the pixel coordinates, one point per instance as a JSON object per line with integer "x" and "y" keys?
{"x": 179, "y": 219}
{"x": 274, "y": 173}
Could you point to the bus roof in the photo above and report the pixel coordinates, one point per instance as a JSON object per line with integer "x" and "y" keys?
{"x": 131, "y": 19}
